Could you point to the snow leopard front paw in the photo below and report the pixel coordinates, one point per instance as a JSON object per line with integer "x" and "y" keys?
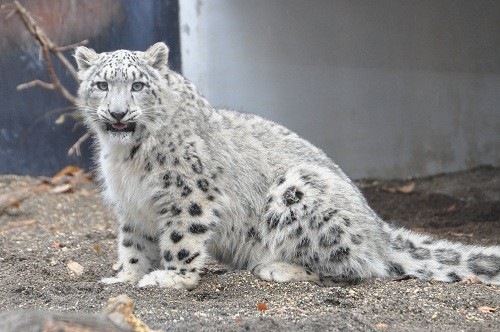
{"x": 170, "y": 279}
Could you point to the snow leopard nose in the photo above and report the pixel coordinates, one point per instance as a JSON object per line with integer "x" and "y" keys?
{"x": 118, "y": 115}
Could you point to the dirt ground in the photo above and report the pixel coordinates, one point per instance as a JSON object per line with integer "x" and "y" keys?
{"x": 49, "y": 230}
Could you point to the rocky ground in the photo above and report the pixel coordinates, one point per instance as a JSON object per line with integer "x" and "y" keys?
{"x": 50, "y": 237}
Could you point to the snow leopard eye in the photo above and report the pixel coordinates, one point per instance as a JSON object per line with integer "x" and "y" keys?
{"x": 137, "y": 86}
{"x": 102, "y": 86}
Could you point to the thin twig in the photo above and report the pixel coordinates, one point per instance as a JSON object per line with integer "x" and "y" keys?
{"x": 10, "y": 14}
{"x": 45, "y": 85}
{"x": 76, "y": 147}
{"x": 27, "y": 132}
{"x": 69, "y": 47}
{"x": 8, "y": 6}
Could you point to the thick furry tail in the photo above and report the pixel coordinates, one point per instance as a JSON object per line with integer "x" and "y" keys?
{"x": 427, "y": 258}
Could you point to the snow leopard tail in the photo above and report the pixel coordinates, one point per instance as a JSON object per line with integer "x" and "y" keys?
{"x": 428, "y": 258}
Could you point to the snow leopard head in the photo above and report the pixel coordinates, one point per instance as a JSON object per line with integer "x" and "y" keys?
{"x": 122, "y": 91}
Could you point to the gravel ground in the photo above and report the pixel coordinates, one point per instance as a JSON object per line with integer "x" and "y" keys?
{"x": 48, "y": 231}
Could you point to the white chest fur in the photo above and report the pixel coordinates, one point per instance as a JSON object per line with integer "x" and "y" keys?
{"x": 126, "y": 188}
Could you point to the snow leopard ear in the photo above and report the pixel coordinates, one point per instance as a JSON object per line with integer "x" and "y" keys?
{"x": 157, "y": 56}
{"x": 85, "y": 57}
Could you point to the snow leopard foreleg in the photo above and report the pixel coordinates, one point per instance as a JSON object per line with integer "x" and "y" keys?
{"x": 184, "y": 231}
{"x": 137, "y": 251}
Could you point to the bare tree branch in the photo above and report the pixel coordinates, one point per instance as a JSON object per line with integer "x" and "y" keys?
{"x": 48, "y": 47}
{"x": 55, "y": 80}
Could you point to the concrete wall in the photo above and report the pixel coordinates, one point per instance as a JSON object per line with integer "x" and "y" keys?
{"x": 387, "y": 88}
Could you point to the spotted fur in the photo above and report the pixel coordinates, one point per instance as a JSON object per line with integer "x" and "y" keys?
{"x": 187, "y": 181}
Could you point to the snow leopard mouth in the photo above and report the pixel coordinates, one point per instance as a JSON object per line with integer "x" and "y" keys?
{"x": 119, "y": 127}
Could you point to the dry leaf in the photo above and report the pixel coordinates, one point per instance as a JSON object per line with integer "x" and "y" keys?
{"x": 22, "y": 223}
{"x": 486, "y": 310}
{"x": 39, "y": 188}
{"x": 96, "y": 247}
{"x": 451, "y": 208}
{"x": 66, "y": 171}
{"x": 15, "y": 224}
{"x": 460, "y": 234}
{"x": 75, "y": 268}
{"x": 60, "y": 119}
{"x": 262, "y": 306}
{"x": 381, "y": 325}
{"x": 13, "y": 199}
{"x": 15, "y": 204}
{"x": 62, "y": 188}
{"x": 407, "y": 189}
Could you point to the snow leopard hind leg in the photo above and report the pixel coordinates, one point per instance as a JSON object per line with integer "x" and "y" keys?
{"x": 318, "y": 227}
{"x": 316, "y": 221}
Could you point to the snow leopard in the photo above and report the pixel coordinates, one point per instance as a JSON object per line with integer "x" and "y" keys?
{"x": 190, "y": 183}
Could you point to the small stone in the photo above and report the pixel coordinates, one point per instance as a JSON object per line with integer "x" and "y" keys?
{"x": 74, "y": 268}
